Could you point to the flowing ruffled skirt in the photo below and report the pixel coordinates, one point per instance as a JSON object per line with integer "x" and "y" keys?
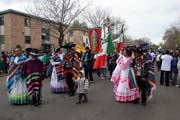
{"x": 19, "y": 94}
{"x": 123, "y": 93}
{"x": 121, "y": 86}
{"x": 57, "y": 86}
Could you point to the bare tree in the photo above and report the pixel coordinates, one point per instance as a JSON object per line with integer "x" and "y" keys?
{"x": 63, "y": 12}
{"x": 171, "y": 37}
{"x": 95, "y": 16}
{"x": 143, "y": 40}
{"x": 76, "y": 24}
{"x": 117, "y": 24}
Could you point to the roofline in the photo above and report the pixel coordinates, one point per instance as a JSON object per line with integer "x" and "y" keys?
{"x": 26, "y": 15}
{"x": 78, "y": 29}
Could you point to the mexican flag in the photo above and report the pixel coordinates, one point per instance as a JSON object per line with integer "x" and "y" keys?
{"x": 121, "y": 38}
{"x": 106, "y": 49}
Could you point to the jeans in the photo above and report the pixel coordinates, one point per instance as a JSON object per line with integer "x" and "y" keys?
{"x": 103, "y": 73}
{"x": 174, "y": 78}
{"x": 88, "y": 73}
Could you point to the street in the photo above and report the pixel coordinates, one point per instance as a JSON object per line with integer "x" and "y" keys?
{"x": 165, "y": 105}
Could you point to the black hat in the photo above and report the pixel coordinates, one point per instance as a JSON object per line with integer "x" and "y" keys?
{"x": 69, "y": 45}
{"x": 87, "y": 48}
{"x": 139, "y": 50}
{"x": 34, "y": 52}
{"x": 56, "y": 50}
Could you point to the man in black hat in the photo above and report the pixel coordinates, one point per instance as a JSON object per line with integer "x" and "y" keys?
{"x": 71, "y": 67}
{"x": 88, "y": 64}
{"x": 143, "y": 67}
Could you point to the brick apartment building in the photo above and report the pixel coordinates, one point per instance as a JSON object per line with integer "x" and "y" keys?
{"x": 78, "y": 36}
{"x": 18, "y": 28}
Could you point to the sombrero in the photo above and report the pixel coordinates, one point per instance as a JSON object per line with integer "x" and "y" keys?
{"x": 69, "y": 45}
{"x": 34, "y": 52}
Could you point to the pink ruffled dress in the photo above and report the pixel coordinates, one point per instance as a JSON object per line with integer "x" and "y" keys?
{"x": 121, "y": 80}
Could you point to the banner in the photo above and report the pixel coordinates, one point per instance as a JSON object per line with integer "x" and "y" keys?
{"x": 94, "y": 39}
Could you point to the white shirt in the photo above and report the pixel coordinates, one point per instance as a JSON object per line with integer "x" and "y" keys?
{"x": 16, "y": 60}
{"x": 166, "y": 62}
{"x": 158, "y": 57}
{"x": 152, "y": 55}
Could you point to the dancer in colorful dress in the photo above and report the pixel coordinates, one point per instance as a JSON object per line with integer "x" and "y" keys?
{"x": 58, "y": 84}
{"x": 120, "y": 78}
{"x": 33, "y": 71}
{"x": 16, "y": 84}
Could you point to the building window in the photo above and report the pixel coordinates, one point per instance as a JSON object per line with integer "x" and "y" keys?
{"x": 27, "y": 39}
{"x": 1, "y": 39}
{"x": 27, "y": 22}
{"x": 45, "y": 36}
{"x": 27, "y": 31}
{"x": 1, "y": 20}
{"x": 71, "y": 33}
{"x": 2, "y": 30}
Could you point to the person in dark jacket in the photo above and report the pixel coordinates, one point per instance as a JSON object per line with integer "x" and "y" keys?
{"x": 88, "y": 64}
{"x": 174, "y": 70}
{"x": 112, "y": 62}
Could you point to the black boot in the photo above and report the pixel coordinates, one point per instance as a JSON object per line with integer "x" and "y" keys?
{"x": 85, "y": 98}
{"x": 78, "y": 102}
{"x": 79, "y": 99}
{"x": 136, "y": 101}
{"x": 144, "y": 103}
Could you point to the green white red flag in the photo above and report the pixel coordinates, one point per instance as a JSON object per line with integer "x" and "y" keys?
{"x": 106, "y": 49}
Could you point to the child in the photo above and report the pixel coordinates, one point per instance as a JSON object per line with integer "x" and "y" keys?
{"x": 83, "y": 85}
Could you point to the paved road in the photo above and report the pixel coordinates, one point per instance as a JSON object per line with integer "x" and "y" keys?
{"x": 165, "y": 105}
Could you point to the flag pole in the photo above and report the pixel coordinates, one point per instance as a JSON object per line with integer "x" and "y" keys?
{"x": 122, "y": 32}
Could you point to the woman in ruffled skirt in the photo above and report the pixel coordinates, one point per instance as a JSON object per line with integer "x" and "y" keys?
{"x": 58, "y": 84}
{"x": 16, "y": 84}
{"x": 120, "y": 78}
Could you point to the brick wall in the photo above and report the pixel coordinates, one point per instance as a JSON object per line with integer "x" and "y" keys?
{"x": 15, "y": 32}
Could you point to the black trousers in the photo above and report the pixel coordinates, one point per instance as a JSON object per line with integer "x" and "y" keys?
{"x": 70, "y": 82}
{"x": 112, "y": 66}
{"x": 143, "y": 84}
{"x": 98, "y": 72}
{"x": 37, "y": 97}
{"x": 88, "y": 73}
{"x": 81, "y": 95}
{"x": 166, "y": 78}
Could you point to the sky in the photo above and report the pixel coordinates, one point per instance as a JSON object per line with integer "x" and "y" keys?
{"x": 144, "y": 18}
